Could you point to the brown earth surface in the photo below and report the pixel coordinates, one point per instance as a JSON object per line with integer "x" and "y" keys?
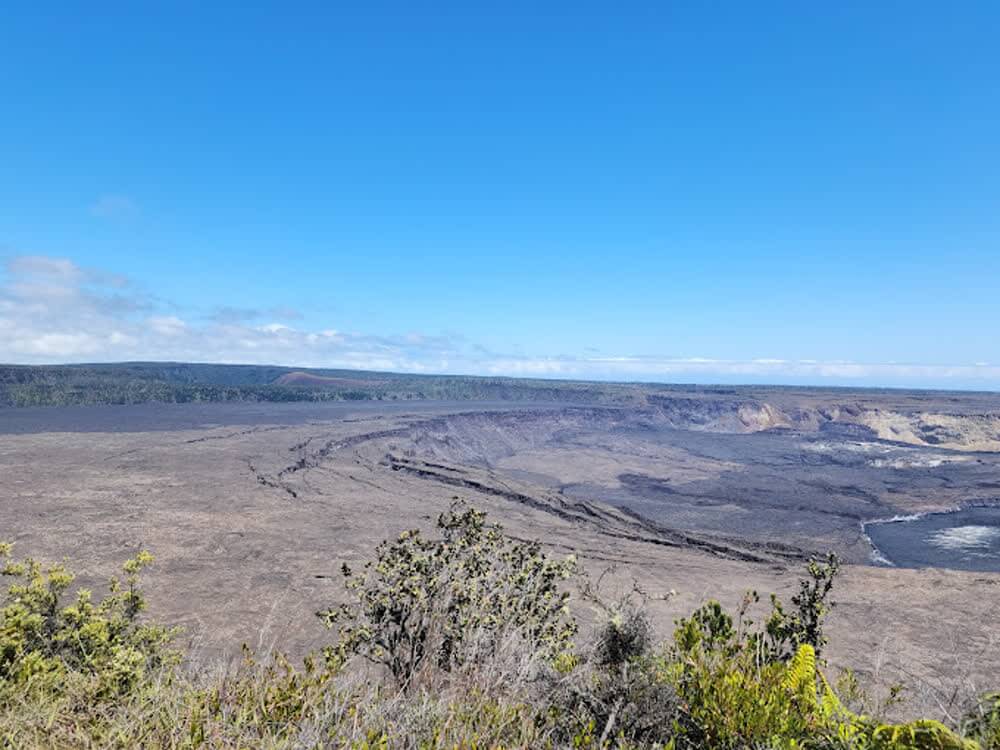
{"x": 251, "y": 509}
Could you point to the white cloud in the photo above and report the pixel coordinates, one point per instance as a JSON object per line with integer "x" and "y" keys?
{"x": 284, "y": 312}
{"x": 53, "y": 310}
{"x": 64, "y": 344}
{"x": 705, "y": 370}
{"x": 230, "y": 315}
{"x": 167, "y": 325}
{"x": 113, "y": 206}
{"x": 33, "y": 266}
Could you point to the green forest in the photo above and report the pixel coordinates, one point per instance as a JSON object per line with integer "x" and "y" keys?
{"x": 138, "y": 382}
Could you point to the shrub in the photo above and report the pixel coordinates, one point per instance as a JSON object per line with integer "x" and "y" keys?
{"x": 733, "y": 697}
{"x": 48, "y": 643}
{"x": 787, "y": 631}
{"x": 622, "y": 692}
{"x": 445, "y": 599}
{"x": 481, "y": 618}
{"x": 739, "y": 688}
{"x": 626, "y": 636}
{"x": 982, "y": 721}
{"x": 267, "y": 703}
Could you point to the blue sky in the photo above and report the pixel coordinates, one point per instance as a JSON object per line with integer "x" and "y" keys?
{"x": 716, "y": 192}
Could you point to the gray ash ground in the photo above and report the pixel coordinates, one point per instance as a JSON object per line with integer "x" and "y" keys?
{"x": 251, "y": 509}
{"x": 154, "y": 417}
{"x": 811, "y": 490}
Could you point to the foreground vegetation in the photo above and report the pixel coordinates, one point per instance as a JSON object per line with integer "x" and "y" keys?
{"x": 464, "y": 640}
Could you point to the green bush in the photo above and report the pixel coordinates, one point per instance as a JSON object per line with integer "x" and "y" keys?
{"x": 49, "y": 641}
{"x": 620, "y": 693}
{"x": 739, "y": 689}
{"x": 733, "y": 694}
{"x": 452, "y": 598}
{"x": 481, "y": 620}
{"x": 982, "y": 721}
{"x": 786, "y": 631}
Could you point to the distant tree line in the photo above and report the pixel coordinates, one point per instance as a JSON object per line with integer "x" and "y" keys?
{"x": 139, "y": 382}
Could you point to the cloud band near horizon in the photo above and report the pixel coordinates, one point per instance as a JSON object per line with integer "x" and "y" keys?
{"x": 54, "y": 311}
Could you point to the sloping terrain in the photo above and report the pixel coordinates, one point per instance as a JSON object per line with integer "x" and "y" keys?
{"x": 252, "y": 508}
{"x": 311, "y": 380}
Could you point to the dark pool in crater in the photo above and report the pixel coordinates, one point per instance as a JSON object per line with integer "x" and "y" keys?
{"x": 967, "y": 539}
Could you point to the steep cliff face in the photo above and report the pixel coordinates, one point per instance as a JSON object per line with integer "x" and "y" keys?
{"x": 570, "y": 435}
{"x": 717, "y": 414}
{"x": 963, "y": 432}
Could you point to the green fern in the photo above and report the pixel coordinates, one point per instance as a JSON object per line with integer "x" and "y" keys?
{"x": 922, "y": 734}
{"x": 800, "y": 677}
